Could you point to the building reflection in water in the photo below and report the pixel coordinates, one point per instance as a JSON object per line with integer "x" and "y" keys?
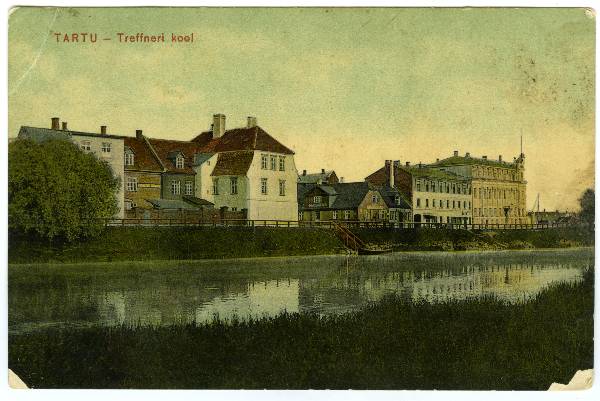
{"x": 342, "y": 289}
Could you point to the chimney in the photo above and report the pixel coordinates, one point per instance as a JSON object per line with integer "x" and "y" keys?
{"x": 103, "y": 129}
{"x": 437, "y": 160}
{"x": 218, "y": 128}
{"x": 420, "y": 164}
{"x": 455, "y": 153}
{"x": 64, "y": 126}
{"x": 303, "y": 172}
{"x": 55, "y": 123}
{"x": 499, "y": 158}
{"x": 407, "y": 164}
{"x": 484, "y": 157}
{"x": 322, "y": 171}
{"x": 138, "y": 134}
{"x": 467, "y": 154}
{"x": 396, "y": 163}
{"x": 342, "y": 180}
{"x": 391, "y": 170}
{"x": 251, "y": 122}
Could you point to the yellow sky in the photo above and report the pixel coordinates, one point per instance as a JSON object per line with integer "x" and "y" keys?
{"x": 345, "y": 88}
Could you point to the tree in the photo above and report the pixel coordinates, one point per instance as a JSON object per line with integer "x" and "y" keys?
{"x": 55, "y": 190}
{"x": 587, "y": 213}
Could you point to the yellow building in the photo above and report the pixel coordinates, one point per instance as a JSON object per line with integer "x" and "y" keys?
{"x": 498, "y": 187}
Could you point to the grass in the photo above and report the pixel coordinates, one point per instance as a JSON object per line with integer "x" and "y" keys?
{"x": 186, "y": 243}
{"x": 393, "y": 344}
{"x": 181, "y": 243}
{"x": 460, "y": 240}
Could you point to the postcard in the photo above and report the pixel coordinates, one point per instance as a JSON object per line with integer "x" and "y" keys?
{"x": 301, "y": 198}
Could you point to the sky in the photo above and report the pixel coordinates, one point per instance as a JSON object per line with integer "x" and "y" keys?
{"x": 346, "y": 89}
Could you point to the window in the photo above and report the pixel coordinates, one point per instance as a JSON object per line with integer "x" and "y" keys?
{"x": 215, "y": 186}
{"x": 335, "y": 215}
{"x": 375, "y": 199}
{"x": 85, "y": 145}
{"x": 132, "y": 184}
{"x": 433, "y": 203}
{"x": 418, "y": 186}
{"x": 175, "y": 187}
{"x": 281, "y": 187}
{"x": 418, "y": 202}
{"x": 264, "y": 162}
{"x": 426, "y": 202}
{"x": 347, "y": 214}
{"x": 179, "y": 161}
{"x": 441, "y": 204}
{"x": 273, "y": 162}
{"x": 316, "y": 216}
{"x": 397, "y": 200}
{"x": 300, "y": 215}
{"x": 233, "y": 185}
{"x": 105, "y": 147}
{"x": 317, "y": 199}
{"x": 129, "y": 159}
{"x": 281, "y": 163}
{"x": 447, "y": 204}
{"x": 189, "y": 188}
{"x": 234, "y": 209}
{"x": 263, "y": 186}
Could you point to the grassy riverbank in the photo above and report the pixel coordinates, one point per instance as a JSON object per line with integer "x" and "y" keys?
{"x": 461, "y": 240}
{"x": 185, "y": 243}
{"x": 166, "y": 243}
{"x": 394, "y": 344}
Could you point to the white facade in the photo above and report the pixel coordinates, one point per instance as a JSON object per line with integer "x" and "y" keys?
{"x": 204, "y": 182}
{"x": 111, "y": 149}
{"x": 266, "y": 193}
{"x": 272, "y": 205}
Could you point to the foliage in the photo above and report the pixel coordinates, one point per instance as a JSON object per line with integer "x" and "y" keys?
{"x": 586, "y": 202}
{"x": 57, "y": 191}
{"x": 394, "y": 344}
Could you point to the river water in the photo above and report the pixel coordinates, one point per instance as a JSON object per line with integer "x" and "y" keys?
{"x": 176, "y": 292}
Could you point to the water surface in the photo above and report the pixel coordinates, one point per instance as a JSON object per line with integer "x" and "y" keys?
{"x": 174, "y": 292}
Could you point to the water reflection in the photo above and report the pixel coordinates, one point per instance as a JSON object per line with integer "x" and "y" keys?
{"x": 181, "y": 292}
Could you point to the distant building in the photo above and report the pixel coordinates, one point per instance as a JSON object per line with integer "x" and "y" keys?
{"x": 499, "y": 187}
{"x": 107, "y": 147}
{"x": 549, "y": 217}
{"x": 324, "y": 177}
{"x": 342, "y": 201}
{"x": 436, "y": 196}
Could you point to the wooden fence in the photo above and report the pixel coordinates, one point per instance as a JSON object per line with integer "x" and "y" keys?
{"x": 330, "y": 224}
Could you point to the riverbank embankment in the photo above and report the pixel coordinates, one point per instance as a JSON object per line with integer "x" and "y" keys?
{"x": 185, "y": 243}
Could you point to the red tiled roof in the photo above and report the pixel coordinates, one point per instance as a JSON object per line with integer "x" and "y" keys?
{"x": 254, "y": 138}
{"x": 233, "y": 163}
{"x": 165, "y": 148}
{"x": 143, "y": 158}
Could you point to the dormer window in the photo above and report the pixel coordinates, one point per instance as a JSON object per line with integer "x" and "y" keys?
{"x": 129, "y": 157}
{"x": 179, "y": 160}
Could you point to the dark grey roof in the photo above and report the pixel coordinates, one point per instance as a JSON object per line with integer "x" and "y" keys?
{"x": 202, "y": 157}
{"x": 41, "y": 134}
{"x": 350, "y": 194}
{"x": 328, "y": 189}
{"x": 303, "y": 189}
{"x": 315, "y": 177}
{"x": 171, "y": 204}
{"x": 389, "y": 195}
{"x": 197, "y": 201}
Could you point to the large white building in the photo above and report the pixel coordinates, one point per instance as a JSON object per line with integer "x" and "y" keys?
{"x": 246, "y": 168}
